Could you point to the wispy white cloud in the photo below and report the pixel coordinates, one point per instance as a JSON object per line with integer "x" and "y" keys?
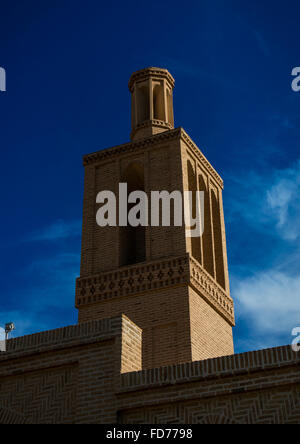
{"x": 268, "y": 301}
{"x": 283, "y": 200}
{"x": 268, "y": 200}
{"x": 57, "y": 230}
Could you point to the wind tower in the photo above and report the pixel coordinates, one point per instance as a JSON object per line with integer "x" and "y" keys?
{"x": 175, "y": 288}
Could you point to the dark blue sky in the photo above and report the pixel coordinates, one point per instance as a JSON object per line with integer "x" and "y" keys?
{"x": 68, "y": 65}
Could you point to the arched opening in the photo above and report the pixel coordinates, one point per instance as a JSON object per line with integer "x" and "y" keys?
{"x": 170, "y": 107}
{"x": 143, "y": 108}
{"x": 217, "y": 230}
{"x": 195, "y": 241}
{"x": 158, "y": 102}
{"x": 208, "y": 257}
{"x": 133, "y": 239}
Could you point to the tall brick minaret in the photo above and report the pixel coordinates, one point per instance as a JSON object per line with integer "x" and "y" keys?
{"x": 175, "y": 288}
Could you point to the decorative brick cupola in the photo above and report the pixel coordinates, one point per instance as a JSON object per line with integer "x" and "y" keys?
{"x": 151, "y": 102}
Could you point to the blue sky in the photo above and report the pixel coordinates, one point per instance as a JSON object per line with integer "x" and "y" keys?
{"x": 68, "y": 65}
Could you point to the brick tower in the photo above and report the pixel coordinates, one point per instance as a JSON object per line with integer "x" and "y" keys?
{"x": 175, "y": 288}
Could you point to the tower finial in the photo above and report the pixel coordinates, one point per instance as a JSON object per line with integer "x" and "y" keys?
{"x": 151, "y": 102}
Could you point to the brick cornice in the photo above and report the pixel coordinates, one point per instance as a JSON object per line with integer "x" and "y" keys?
{"x": 130, "y": 147}
{"x": 216, "y": 368}
{"x": 65, "y": 337}
{"x": 153, "y": 72}
{"x": 154, "y": 124}
{"x": 131, "y": 280}
{"x": 135, "y": 147}
{"x": 212, "y": 292}
{"x": 151, "y": 276}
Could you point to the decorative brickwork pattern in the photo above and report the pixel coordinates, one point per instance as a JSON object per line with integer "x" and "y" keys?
{"x": 132, "y": 280}
{"x": 260, "y": 387}
{"x": 47, "y": 397}
{"x": 281, "y": 406}
{"x": 68, "y": 375}
{"x": 9, "y": 417}
{"x": 56, "y": 377}
{"x": 211, "y": 291}
{"x": 153, "y": 276}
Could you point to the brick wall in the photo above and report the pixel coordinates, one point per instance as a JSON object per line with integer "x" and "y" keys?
{"x": 91, "y": 373}
{"x": 162, "y": 314}
{"x": 68, "y": 375}
{"x": 211, "y": 334}
{"x": 261, "y": 387}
